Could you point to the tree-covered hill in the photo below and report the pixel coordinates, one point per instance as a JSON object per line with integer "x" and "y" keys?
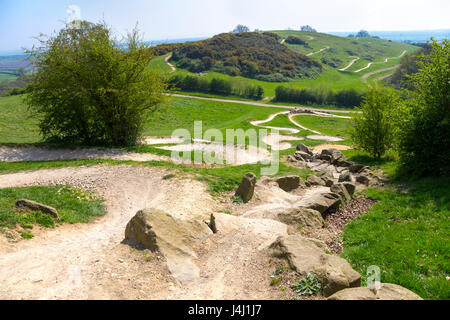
{"x": 249, "y": 54}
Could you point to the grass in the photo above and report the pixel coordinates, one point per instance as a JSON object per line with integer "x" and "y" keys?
{"x": 405, "y": 234}
{"x": 73, "y": 206}
{"x": 16, "y": 125}
{"x": 337, "y": 127}
{"x": 182, "y": 112}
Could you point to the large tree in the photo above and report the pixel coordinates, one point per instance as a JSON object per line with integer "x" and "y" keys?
{"x": 241, "y": 28}
{"x": 88, "y": 89}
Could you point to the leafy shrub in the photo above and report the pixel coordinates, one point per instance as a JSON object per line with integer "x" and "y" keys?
{"x": 374, "y": 128}
{"x": 87, "y": 90}
{"x": 295, "y": 40}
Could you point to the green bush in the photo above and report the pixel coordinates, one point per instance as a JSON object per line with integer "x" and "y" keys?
{"x": 425, "y": 134}
{"x": 88, "y": 90}
{"x": 374, "y": 126}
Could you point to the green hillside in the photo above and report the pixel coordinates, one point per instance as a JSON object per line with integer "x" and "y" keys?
{"x": 339, "y": 52}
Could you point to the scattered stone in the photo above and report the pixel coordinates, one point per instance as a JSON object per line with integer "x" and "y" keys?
{"x": 387, "y": 291}
{"x": 291, "y": 158}
{"x": 345, "y": 177}
{"x": 323, "y": 202}
{"x": 35, "y": 206}
{"x": 367, "y": 178}
{"x": 308, "y": 256}
{"x": 356, "y": 167}
{"x": 302, "y": 216}
{"x": 350, "y": 187}
{"x": 288, "y": 183}
{"x": 247, "y": 187}
{"x": 303, "y": 148}
{"x": 329, "y": 181}
{"x": 315, "y": 180}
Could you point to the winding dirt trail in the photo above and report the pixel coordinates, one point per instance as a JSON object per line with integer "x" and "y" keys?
{"x": 369, "y": 74}
{"x": 385, "y": 61}
{"x": 258, "y": 104}
{"x": 172, "y": 67}
{"x": 350, "y": 64}
{"x": 313, "y": 53}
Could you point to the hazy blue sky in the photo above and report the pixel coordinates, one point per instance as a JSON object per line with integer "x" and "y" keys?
{"x": 20, "y": 20}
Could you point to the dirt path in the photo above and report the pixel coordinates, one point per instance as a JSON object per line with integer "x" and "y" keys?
{"x": 172, "y": 67}
{"x": 89, "y": 261}
{"x": 33, "y": 153}
{"x": 385, "y": 60}
{"x": 369, "y": 74}
{"x": 350, "y": 64}
{"x": 259, "y": 104}
{"x": 313, "y": 53}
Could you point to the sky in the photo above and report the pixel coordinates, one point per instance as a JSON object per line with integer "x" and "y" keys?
{"x": 21, "y": 20}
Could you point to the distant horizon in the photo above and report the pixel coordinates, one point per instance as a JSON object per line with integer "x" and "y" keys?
{"x": 22, "y": 20}
{"x": 13, "y": 52}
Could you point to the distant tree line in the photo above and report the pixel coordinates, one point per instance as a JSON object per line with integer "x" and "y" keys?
{"x": 308, "y": 28}
{"x": 216, "y": 85}
{"x": 321, "y": 95}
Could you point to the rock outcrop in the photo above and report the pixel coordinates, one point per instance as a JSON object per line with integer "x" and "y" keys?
{"x": 35, "y": 206}
{"x": 387, "y": 291}
{"x": 247, "y": 187}
{"x": 174, "y": 238}
{"x": 308, "y": 256}
{"x": 315, "y": 180}
{"x": 288, "y": 183}
{"x": 301, "y": 216}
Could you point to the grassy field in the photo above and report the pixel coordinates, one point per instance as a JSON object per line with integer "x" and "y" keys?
{"x": 405, "y": 234}
{"x": 337, "y": 127}
{"x": 73, "y": 206}
{"x": 16, "y": 126}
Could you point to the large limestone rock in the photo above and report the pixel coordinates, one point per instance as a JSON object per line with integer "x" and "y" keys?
{"x": 174, "y": 238}
{"x": 345, "y": 177}
{"x": 315, "y": 180}
{"x": 303, "y": 148}
{"x": 350, "y": 187}
{"x": 308, "y": 256}
{"x": 335, "y": 157}
{"x": 322, "y": 202}
{"x": 387, "y": 291}
{"x": 35, "y": 206}
{"x": 341, "y": 190}
{"x": 288, "y": 183}
{"x": 302, "y": 216}
{"x": 247, "y": 187}
{"x": 367, "y": 178}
